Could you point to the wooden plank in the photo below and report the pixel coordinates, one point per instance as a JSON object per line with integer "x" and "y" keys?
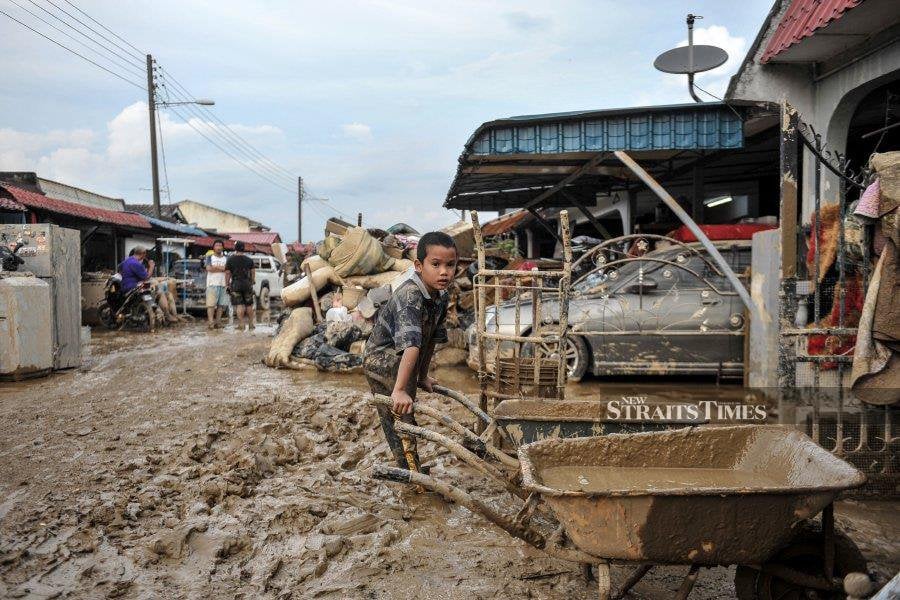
{"x": 589, "y": 215}
{"x": 567, "y": 180}
{"x": 790, "y": 184}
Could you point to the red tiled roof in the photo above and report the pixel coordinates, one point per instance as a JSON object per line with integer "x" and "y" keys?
{"x": 801, "y": 20}
{"x": 255, "y": 237}
{"x": 10, "y": 204}
{"x": 41, "y": 202}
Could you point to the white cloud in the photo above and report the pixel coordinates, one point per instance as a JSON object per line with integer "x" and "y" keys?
{"x": 357, "y": 131}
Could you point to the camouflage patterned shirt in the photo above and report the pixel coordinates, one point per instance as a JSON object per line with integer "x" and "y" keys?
{"x": 411, "y": 318}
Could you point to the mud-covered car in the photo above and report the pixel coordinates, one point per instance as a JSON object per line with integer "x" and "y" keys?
{"x": 667, "y": 312}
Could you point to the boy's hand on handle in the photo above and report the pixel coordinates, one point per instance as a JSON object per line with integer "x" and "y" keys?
{"x": 403, "y": 403}
{"x": 428, "y": 384}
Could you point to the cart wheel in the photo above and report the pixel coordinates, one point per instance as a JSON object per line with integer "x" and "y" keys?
{"x": 803, "y": 553}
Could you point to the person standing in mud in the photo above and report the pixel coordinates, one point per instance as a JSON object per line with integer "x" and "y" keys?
{"x": 239, "y": 278}
{"x": 399, "y": 350}
{"x": 216, "y": 297}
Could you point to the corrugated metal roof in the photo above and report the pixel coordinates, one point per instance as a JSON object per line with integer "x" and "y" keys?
{"x": 710, "y": 125}
{"x": 801, "y": 20}
{"x": 70, "y": 193}
{"x": 40, "y": 202}
{"x": 176, "y": 227}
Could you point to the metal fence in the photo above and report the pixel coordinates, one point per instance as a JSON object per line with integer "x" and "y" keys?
{"x": 826, "y": 266}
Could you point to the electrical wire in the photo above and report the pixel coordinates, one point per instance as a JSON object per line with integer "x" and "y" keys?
{"x": 232, "y": 156}
{"x": 64, "y": 47}
{"x": 720, "y": 100}
{"x": 141, "y": 53}
{"x": 68, "y": 35}
{"x": 162, "y": 148}
{"x": 179, "y": 87}
{"x": 91, "y": 28}
{"x": 248, "y": 160}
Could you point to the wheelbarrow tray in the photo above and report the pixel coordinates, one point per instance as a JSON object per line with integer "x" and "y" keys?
{"x": 527, "y": 421}
{"x": 706, "y": 525}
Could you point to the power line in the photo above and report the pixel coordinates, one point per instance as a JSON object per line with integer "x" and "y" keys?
{"x": 251, "y": 161}
{"x": 253, "y": 149}
{"x": 232, "y": 156}
{"x": 89, "y": 27}
{"x": 140, "y": 54}
{"x": 214, "y": 130}
{"x": 68, "y": 35}
{"x": 64, "y": 47}
{"x": 162, "y": 148}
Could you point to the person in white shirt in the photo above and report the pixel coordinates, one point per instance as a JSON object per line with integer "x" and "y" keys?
{"x": 216, "y": 296}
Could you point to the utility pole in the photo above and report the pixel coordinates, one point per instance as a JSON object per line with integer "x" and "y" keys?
{"x": 154, "y": 165}
{"x": 300, "y": 210}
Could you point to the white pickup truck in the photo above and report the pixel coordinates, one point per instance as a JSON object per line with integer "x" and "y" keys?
{"x": 268, "y": 282}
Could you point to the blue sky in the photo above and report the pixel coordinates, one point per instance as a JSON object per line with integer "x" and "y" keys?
{"x": 371, "y": 102}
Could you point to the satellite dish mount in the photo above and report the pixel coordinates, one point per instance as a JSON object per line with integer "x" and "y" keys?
{"x": 689, "y": 60}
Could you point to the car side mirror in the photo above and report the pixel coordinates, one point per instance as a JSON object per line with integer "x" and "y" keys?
{"x": 648, "y": 285}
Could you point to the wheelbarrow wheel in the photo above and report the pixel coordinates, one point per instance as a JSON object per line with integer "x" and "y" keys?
{"x": 804, "y": 553}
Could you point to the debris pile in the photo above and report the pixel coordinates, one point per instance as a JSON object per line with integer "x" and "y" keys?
{"x": 351, "y": 275}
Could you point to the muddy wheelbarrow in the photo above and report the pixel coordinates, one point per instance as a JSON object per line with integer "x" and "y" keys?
{"x": 700, "y": 497}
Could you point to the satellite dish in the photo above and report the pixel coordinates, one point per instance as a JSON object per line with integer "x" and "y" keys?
{"x": 691, "y": 59}
{"x": 679, "y": 60}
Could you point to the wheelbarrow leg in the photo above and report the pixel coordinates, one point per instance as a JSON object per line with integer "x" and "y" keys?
{"x": 688, "y": 583}
{"x": 828, "y": 534}
{"x": 603, "y": 582}
{"x": 632, "y": 580}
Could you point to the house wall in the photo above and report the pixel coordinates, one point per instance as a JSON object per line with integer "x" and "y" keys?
{"x": 826, "y": 103}
{"x": 207, "y": 217}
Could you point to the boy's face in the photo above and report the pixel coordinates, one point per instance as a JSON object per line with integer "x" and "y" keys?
{"x": 438, "y": 268}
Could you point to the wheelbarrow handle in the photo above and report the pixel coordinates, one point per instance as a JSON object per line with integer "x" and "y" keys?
{"x": 476, "y": 444}
{"x": 453, "y": 394}
{"x": 453, "y": 494}
{"x": 463, "y": 454}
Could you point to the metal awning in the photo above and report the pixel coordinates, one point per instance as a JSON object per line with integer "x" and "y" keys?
{"x": 561, "y": 159}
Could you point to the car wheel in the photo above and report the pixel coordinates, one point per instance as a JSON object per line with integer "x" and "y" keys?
{"x": 577, "y": 356}
{"x": 264, "y": 300}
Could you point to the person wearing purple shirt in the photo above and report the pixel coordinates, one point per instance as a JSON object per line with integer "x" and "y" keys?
{"x": 133, "y": 270}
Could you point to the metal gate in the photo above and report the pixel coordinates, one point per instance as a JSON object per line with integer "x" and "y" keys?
{"x": 826, "y": 266}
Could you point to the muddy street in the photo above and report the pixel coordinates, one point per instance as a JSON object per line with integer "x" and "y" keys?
{"x": 178, "y": 466}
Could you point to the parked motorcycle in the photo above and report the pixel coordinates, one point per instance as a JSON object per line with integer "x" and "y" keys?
{"x": 135, "y": 308}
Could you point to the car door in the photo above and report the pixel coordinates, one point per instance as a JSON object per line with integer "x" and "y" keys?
{"x": 662, "y": 317}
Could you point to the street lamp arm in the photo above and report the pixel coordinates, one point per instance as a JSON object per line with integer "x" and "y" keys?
{"x": 201, "y": 102}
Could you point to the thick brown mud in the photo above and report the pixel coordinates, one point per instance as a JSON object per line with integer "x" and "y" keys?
{"x": 178, "y": 466}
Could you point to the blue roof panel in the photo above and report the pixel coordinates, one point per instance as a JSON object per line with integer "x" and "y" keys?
{"x": 679, "y": 127}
